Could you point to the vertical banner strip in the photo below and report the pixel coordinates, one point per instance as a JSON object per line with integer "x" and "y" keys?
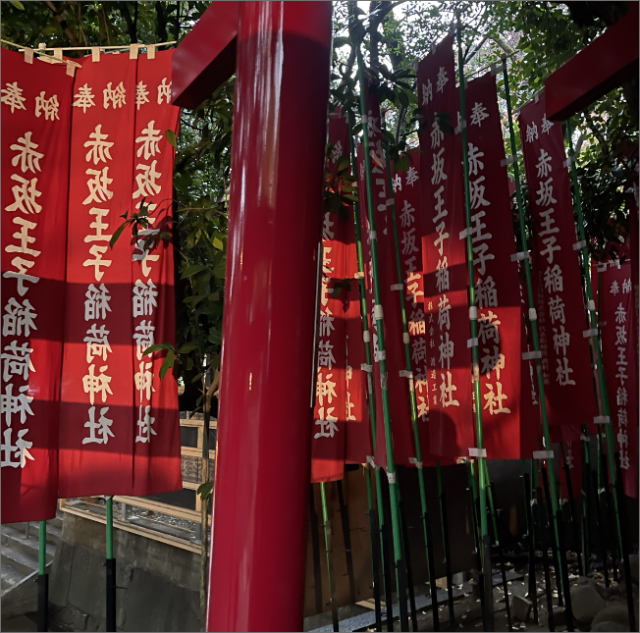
{"x": 566, "y": 363}
{"x": 36, "y": 121}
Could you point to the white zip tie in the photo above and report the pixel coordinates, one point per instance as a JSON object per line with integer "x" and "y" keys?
{"x": 464, "y": 234}
{"x": 602, "y": 419}
{"x": 601, "y": 491}
{"x": 405, "y": 373}
{"x": 602, "y": 268}
{"x": 520, "y": 256}
{"x": 472, "y": 342}
{"x": 584, "y": 438}
{"x": 384, "y": 381}
{"x": 507, "y": 161}
{"x": 473, "y": 313}
{"x": 95, "y": 54}
{"x": 531, "y": 355}
{"x": 382, "y": 355}
{"x": 533, "y": 315}
{"x": 28, "y": 55}
{"x": 395, "y": 287}
{"x": 478, "y": 452}
{"x": 390, "y": 201}
{"x": 406, "y": 339}
{"x": 372, "y": 235}
{"x": 579, "y": 245}
{"x": 568, "y": 161}
{"x": 378, "y": 312}
{"x": 534, "y": 502}
{"x": 591, "y": 305}
{"x": 590, "y": 333}
{"x": 391, "y": 477}
{"x": 366, "y": 336}
{"x": 415, "y": 462}
{"x": 372, "y": 462}
{"x": 367, "y": 368}
{"x": 542, "y": 454}
{"x": 358, "y": 275}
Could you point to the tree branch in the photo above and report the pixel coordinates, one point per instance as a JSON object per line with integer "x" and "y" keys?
{"x": 63, "y": 24}
{"x": 161, "y": 30}
{"x": 124, "y": 10}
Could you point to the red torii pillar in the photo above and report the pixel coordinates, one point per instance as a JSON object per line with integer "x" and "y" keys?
{"x": 281, "y": 54}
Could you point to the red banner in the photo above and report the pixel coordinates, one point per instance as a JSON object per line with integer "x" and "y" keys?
{"x": 36, "y": 121}
{"x": 451, "y": 428}
{"x": 157, "y": 424}
{"x": 328, "y": 446}
{"x": 616, "y": 299}
{"x": 509, "y": 419}
{"x": 566, "y": 363}
{"x": 120, "y": 155}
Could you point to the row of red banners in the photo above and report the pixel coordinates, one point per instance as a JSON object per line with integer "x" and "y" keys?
{"x": 430, "y": 211}
{"x": 84, "y": 412}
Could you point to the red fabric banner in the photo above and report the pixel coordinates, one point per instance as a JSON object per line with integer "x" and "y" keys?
{"x": 36, "y": 122}
{"x": 509, "y": 419}
{"x": 616, "y": 299}
{"x": 566, "y": 363}
{"x": 451, "y": 429}
{"x": 109, "y": 440}
{"x": 329, "y": 430}
{"x": 573, "y": 456}
{"x": 157, "y": 423}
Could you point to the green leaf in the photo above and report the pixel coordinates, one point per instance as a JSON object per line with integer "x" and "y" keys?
{"x": 117, "y": 234}
{"x": 190, "y": 271}
{"x": 197, "y": 378}
{"x": 155, "y": 348}
{"x": 205, "y": 490}
{"x": 170, "y": 135}
{"x": 187, "y": 347}
{"x": 218, "y": 243}
{"x": 168, "y": 362}
{"x": 17, "y": 4}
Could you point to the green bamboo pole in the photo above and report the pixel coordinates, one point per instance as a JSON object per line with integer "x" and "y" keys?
{"x": 612, "y": 450}
{"x": 329, "y": 551}
{"x": 534, "y": 330}
{"x": 369, "y": 358}
{"x": 42, "y": 550}
{"x": 378, "y": 315}
{"x": 413, "y": 403}
{"x": 473, "y": 314}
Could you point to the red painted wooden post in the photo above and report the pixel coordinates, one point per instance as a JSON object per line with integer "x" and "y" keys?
{"x": 259, "y": 535}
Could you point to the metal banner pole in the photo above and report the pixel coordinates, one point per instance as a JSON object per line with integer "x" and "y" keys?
{"x": 532, "y": 315}
{"x": 379, "y": 317}
{"x": 473, "y": 315}
{"x": 43, "y": 579}
{"x": 110, "y": 564}
{"x": 328, "y": 539}
{"x": 385, "y": 582}
{"x": 572, "y": 513}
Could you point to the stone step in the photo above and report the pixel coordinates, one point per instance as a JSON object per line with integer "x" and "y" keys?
{"x": 54, "y": 531}
{"x": 16, "y": 540}
{"x": 10, "y": 577}
{"x": 22, "y": 562}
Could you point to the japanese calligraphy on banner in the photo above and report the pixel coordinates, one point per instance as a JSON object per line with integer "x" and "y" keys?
{"x": 36, "y": 121}
{"x": 328, "y": 445}
{"x": 566, "y": 363}
{"x": 446, "y": 306}
{"x": 616, "y": 299}
{"x": 509, "y": 419}
{"x": 119, "y": 421}
{"x": 394, "y": 353}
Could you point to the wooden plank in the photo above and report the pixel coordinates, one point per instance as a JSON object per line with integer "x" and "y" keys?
{"x": 193, "y": 423}
{"x": 136, "y": 529}
{"x": 161, "y": 508}
{"x": 192, "y": 451}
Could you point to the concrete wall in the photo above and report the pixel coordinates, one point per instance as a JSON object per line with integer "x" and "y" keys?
{"x": 157, "y": 584}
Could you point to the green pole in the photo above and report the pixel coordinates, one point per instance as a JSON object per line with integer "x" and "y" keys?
{"x": 329, "y": 551}
{"x": 378, "y": 315}
{"x": 612, "y": 450}
{"x": 111, "y": 570}
{"x": 593, "y": 319}
{"x": 42, "y": 550}
{"x": 412, "y": 402}
{"x": 366, "y": 336}
{"x": 473, "y": 314}
{"x": 43, "y": 579}
{"x": 532, "y": 315}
